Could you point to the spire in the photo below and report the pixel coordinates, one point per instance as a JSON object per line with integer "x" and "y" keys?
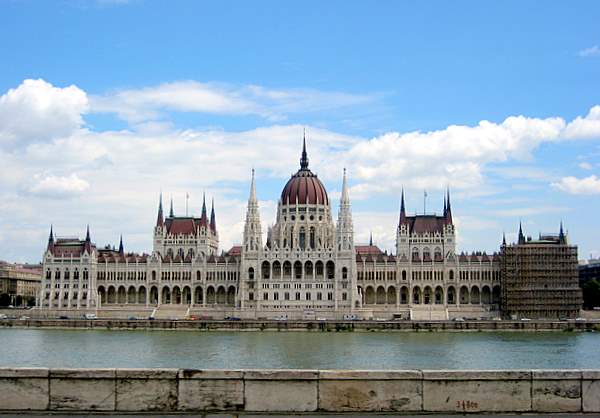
{"x": 345, "y": 196}
{"x": 160, "y": 219}
{"x": 252, "y": 197}
{"x": 203, "y": 216}
{"x": 445, "y": 206}
{"x": 304, "y": 158}
{"x": 87, "y": 234}
{"x": 448, "y": 214}
{"x": 213, "y": 222}
{"x": 171, "y": 209}
{"x": 121, "y": 251}
{"x": 503, "y": 239}
{"x": 88, "y": 241}
{"x": 521, "y": 236}
{"x": 371, "y": 239}
{"x": 561, "y": 235}
{"x": 402, "y": 210}
{"x": 51, "y": 240}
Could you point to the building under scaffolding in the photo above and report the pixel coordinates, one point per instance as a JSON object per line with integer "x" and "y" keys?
{"x": 540, "y": 278}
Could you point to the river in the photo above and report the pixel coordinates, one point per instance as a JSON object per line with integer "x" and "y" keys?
{"x": 299, "y": 350}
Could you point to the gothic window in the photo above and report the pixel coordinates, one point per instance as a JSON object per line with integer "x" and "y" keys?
{"x": 330, "y": 266}
{"x": 251, "y": 273}
{"x": 344, "y": 296}
{"x": 297, "y": 295}
{"x": 286, "y": 296}
{"x": 302, "y": 238}
{"x": 344, "y": 273}
{"x": 312, "y": 238}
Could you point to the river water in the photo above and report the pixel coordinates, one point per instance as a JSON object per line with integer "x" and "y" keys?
{"x": 299, "y": 350}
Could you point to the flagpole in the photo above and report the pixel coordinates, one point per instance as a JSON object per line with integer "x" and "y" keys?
{"x": 187, "y": 197}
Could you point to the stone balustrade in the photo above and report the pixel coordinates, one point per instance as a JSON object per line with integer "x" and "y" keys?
{"x": 185, "y": 390}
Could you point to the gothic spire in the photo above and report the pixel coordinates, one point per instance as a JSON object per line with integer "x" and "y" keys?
{"x": 448, "y": 215}
{"x": 51, "y": 237}
{"x": 503, "y": 239}
{"x": 521, "y": 236}
{"x": 160, "y": 219}
{"x": 252, "y": 198}
{"x": 561, "y": 234}
{"x": 171, "y": 209}
{"x": 371, "y": 239}
{"x": 304, "y": 158}
{"x": 345, "y": 196}
{"x": 121, "y": 250}
{"x": 87, "y": 234}
{"x": 213, "y": 222}
{"x": 402, "y": 210}
{"x": 203, "y": 216}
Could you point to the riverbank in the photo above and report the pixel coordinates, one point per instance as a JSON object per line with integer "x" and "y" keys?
{"x": 410, "y": 391}
{"x": 312, "y": 326}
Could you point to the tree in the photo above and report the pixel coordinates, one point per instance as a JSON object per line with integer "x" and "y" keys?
{"x": 591, "y": 294}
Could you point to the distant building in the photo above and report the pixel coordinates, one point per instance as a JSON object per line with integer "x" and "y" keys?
{"x": 588, "y": 271}
{"x": 539, "y": 277}
{"x": 19, "y": 284}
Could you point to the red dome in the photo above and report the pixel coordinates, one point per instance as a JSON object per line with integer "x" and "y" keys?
{"x": 305, "y": 188}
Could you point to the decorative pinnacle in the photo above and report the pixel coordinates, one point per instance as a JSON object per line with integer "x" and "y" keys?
{"x": 304, "y": 158}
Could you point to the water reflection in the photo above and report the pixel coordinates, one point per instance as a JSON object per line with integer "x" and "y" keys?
{"x": 483, "y": 350}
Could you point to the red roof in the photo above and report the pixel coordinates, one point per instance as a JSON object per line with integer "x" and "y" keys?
{"x": 426, "y": 223}
{"x": 305, "y": 188}
{"x": 236, "y": 250}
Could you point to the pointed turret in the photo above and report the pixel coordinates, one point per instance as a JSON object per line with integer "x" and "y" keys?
{"x": 304, "y": 157}
{"x": 448, "y": 214}
{"x": 121, "y": 250}
{"x": 371, "y": 239}
{"x": 213, "y": 222}
{"x": 345, "y": 195}
{"x": 403, "y": 219}
{"x": 503, "y": 239}
{"x": 51, "y": 240}
{"x": 562, "y": 238}
{"x": 445, "y": 206}
{"x": 88, "y": 241}
{"x": 521, "y": 236}
{"x": 252, "y": 227}
{"x": 160, "y": 220}
{"x": 171, "y": 209}
{"x": 203, "y": 216}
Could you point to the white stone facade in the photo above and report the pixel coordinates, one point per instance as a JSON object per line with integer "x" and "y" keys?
{"x": 309, "y": 267}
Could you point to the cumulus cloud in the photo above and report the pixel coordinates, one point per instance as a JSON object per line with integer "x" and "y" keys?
{"x": 585, "y": 165}
{"x": 38, "y": 111}
{"x": 59, "y": 186}
{"x": 137, "y": 105}
{"x": 593, "y": 51}
{"x": 128, "y": 168}
{"x": 580, "y": 186}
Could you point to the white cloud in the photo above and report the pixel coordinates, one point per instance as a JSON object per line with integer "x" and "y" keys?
{"x": 593, "y": 51}
{"x": 128, "y": 168}
{"x": 57, "y": 186}
{"x": 585, "y": 165}
{"x": 38, "y": 111}
{"x": 138, "y": 105}
{"x": 580, "y": 186}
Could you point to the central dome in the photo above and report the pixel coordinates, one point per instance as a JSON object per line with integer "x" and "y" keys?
{"x": 304, "y": 187}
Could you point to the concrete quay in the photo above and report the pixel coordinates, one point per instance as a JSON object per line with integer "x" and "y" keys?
{"x": 299, "y": 391}
{"x": 297, "y": 325}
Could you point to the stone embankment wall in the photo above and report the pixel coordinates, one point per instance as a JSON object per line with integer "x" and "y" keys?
{"x": 333, "y": 326}
{"x": 173, "y": 390}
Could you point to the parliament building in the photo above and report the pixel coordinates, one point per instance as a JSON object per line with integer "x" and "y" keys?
{"x": 308, "y": 267}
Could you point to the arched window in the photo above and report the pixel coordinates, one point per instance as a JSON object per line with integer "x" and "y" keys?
{"x": 250, "y": 273}
{"x": 302, "y": 238}
{"x": 312, "y": 237}
{"x": 344, "y": 273}
{"x": 451, "y": 274}
{"x": 403, "y": 274}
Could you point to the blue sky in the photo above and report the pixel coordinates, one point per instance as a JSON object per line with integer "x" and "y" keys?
{"x": 186, "y": 96}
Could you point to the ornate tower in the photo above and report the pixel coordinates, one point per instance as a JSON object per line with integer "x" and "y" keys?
{"x": 402, "y": 233}
{"x": 345, "y": 229}
{"x": 252, "y": 228}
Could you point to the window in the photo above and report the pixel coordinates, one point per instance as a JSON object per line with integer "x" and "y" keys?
{"x": 344, "y": 296}
{"x": 250, "y": 273}
{"x": 297, "y": 295}
{"x": 330, "y": 296}
{"x": 251, "y": 296}
{"x": 286, "y": 296}
{"x": 307, "y": 295}
{"x": 265, "y": 296}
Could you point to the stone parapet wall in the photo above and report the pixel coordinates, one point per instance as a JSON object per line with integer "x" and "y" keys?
{"x": 185, "y": 390}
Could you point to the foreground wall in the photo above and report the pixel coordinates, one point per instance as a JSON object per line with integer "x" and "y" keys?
{"x": 167, "y": 390}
